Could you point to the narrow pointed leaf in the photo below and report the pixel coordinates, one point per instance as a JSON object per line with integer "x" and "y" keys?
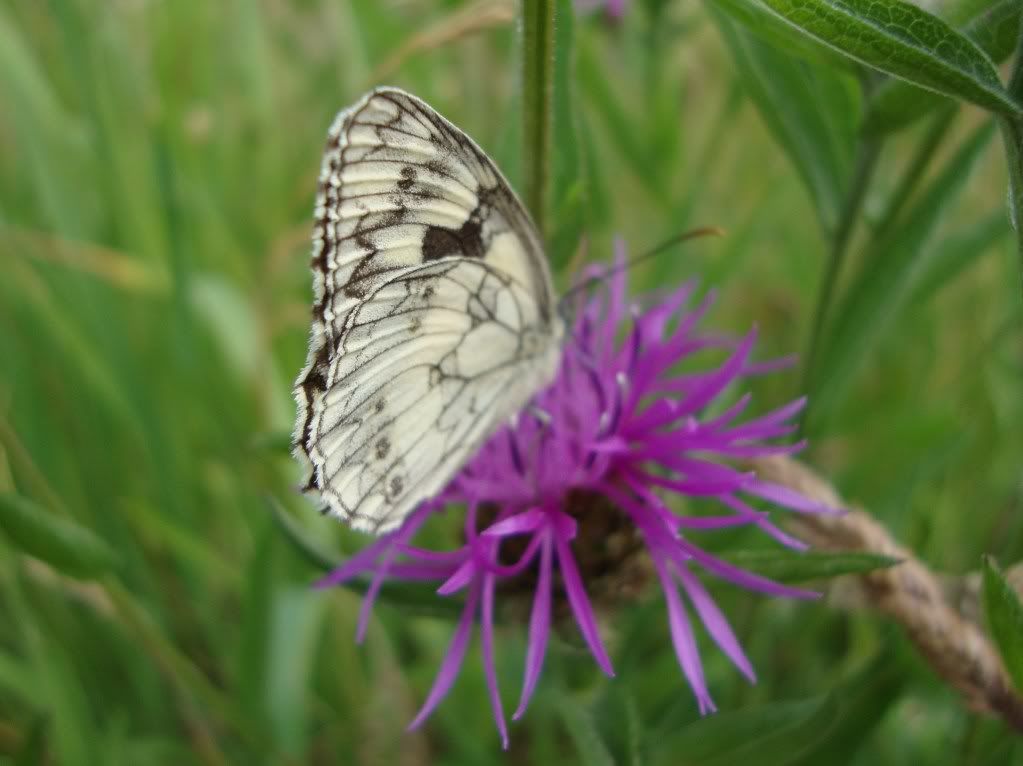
{"x": 790, "y": 96}
{"x": 62, "y": 543}
{"x": 960, "y": 250}
{"x": 886, "y": 282}
{"x": 770, "y": 735}
{"x": 1004, "y": 612}
{"x": 863, "y": 701}
{"x": 792, "y": 566}
{"x": 585, "y": 735}
{"x": 904, "y": 41}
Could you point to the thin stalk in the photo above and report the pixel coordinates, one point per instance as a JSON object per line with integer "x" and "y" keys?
{"x": 866, "y": 161}
{"x": 538, "y": 17}
{"x": 1012, "y": 136}
{"x": 1016, "y": 77}
{"x": 915, "y": 170}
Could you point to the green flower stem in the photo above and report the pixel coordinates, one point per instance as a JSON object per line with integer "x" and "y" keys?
{"x": 869, "y": 151}
{"x": 538, "y": 18}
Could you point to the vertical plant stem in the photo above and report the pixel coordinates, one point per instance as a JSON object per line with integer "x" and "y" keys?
{"x": 925, "y": 152}
{"x": 1012, "y": 136}
{"x": 538, "y": 18}
{"x": 869, "y": 150}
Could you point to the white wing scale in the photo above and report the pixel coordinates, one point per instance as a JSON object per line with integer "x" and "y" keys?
{"x": 433, "y": 318}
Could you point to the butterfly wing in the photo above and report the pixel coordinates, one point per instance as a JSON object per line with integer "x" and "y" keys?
{"x": 433, "y": 318}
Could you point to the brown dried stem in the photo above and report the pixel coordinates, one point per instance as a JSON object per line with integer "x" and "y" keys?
{"x": 910, "y": 593}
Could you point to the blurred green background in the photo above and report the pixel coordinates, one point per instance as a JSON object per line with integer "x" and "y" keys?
{"x": 157, "y": 167}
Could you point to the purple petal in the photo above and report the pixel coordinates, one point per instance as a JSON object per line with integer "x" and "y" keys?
{"x": 682, "y": 638}
{"x": 660, "y": 536}
{"x": 762, "y": 522}
{"x": 539, "y": 627}
{"x": 520, "y": 523}
{"x": 715, "y": 622}
{"x": 761, "y": 450}
{"x": 514, "y": 570}
{"x": 684, "y": 549}
{"x": 715, "y": 383}
{"x": 462, "y": 577}
{"x": 421, "y": 571}
{"x": 789, "y": 498}
{"x": 580, "y": 604}
{"x": 489, "y": 671}
{"x": 725, "y": 418}
{"x": 779, "y": 415}
{"x": 357, "y": 564}
{"x": 371, "y": 595}
{"x": 452, "y": 660}
{"x": 712, "y": 522}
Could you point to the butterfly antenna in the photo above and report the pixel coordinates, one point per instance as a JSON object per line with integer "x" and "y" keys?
{"x": 704, "y": 231}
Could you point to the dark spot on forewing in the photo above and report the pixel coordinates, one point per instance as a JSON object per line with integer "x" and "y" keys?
{"x": 467, "y": 241}
{"x": 395, "y": 487}
{"x": 408, "y": 178}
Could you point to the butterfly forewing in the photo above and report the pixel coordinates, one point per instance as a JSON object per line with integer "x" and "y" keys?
{"x": 433, "y": 316}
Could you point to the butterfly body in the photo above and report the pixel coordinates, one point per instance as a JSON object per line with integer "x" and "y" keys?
{"x": 434, "y": 312}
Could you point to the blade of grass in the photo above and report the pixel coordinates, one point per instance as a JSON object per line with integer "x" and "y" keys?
{"x": 887, "y": 279}
{"x": 787, "y": 94}
{"x": 868, "y": 152}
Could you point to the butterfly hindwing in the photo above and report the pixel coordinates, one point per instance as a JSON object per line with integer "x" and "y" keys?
{"x": 433, "y": 314}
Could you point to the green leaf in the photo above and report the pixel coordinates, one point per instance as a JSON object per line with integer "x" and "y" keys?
{"x": 897, "y": 103}
{"x": 1005, "y": 619}
{"x": 793, "y": 566}
{"x": 810, "y": 111}
{"x": 904, "y": 41}
{"x": 959, "y": 250}
{"x": 619, "y": 719}
{"x": 306, "y": 548}
{"x": 33, "y": 748}
{"x": 771, "y": 29}
{"x": 65, "y": 545}
{"x": 296, "y": 619}
{"x": 619, "y": 124}
{"x": 583, "y": 731}
{"x": 863, "y": 701}
{"x": 252, "y": 650}
{"x": 872, "y": 303}
{"x": 770, "y": 735}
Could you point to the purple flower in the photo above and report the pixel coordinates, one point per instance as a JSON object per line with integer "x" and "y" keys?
{"x": 581, "y": 483}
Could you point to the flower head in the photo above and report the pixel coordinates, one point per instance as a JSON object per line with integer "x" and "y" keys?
{"x": 580, "y": 485}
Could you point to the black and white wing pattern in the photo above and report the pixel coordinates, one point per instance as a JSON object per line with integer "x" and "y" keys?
{"x": 434, "y": 316}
